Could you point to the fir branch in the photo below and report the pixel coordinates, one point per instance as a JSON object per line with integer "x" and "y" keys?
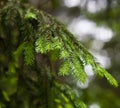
{"x": 49, "y": 35}
{"x": 103, "y": 73}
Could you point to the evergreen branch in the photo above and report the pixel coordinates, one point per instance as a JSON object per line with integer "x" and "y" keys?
{"x": 49, "y": 35}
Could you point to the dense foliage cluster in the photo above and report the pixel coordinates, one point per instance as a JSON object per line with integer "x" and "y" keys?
{"x": 36, "y": 53}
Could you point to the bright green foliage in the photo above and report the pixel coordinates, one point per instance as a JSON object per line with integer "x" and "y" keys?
{"x": 64, "y": 53}
{"x": 65, "y": 68}
{"x": 30, "y": 15}
{"x": 80, "y": 104}
{"x": 111, "y": 80}
{"x": 40, "y": 49}
{"x": 44, "y": 44}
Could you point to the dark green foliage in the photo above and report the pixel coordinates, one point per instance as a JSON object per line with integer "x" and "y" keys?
{"x": 36, "y": 50}
{"x": 29, "y": 53}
